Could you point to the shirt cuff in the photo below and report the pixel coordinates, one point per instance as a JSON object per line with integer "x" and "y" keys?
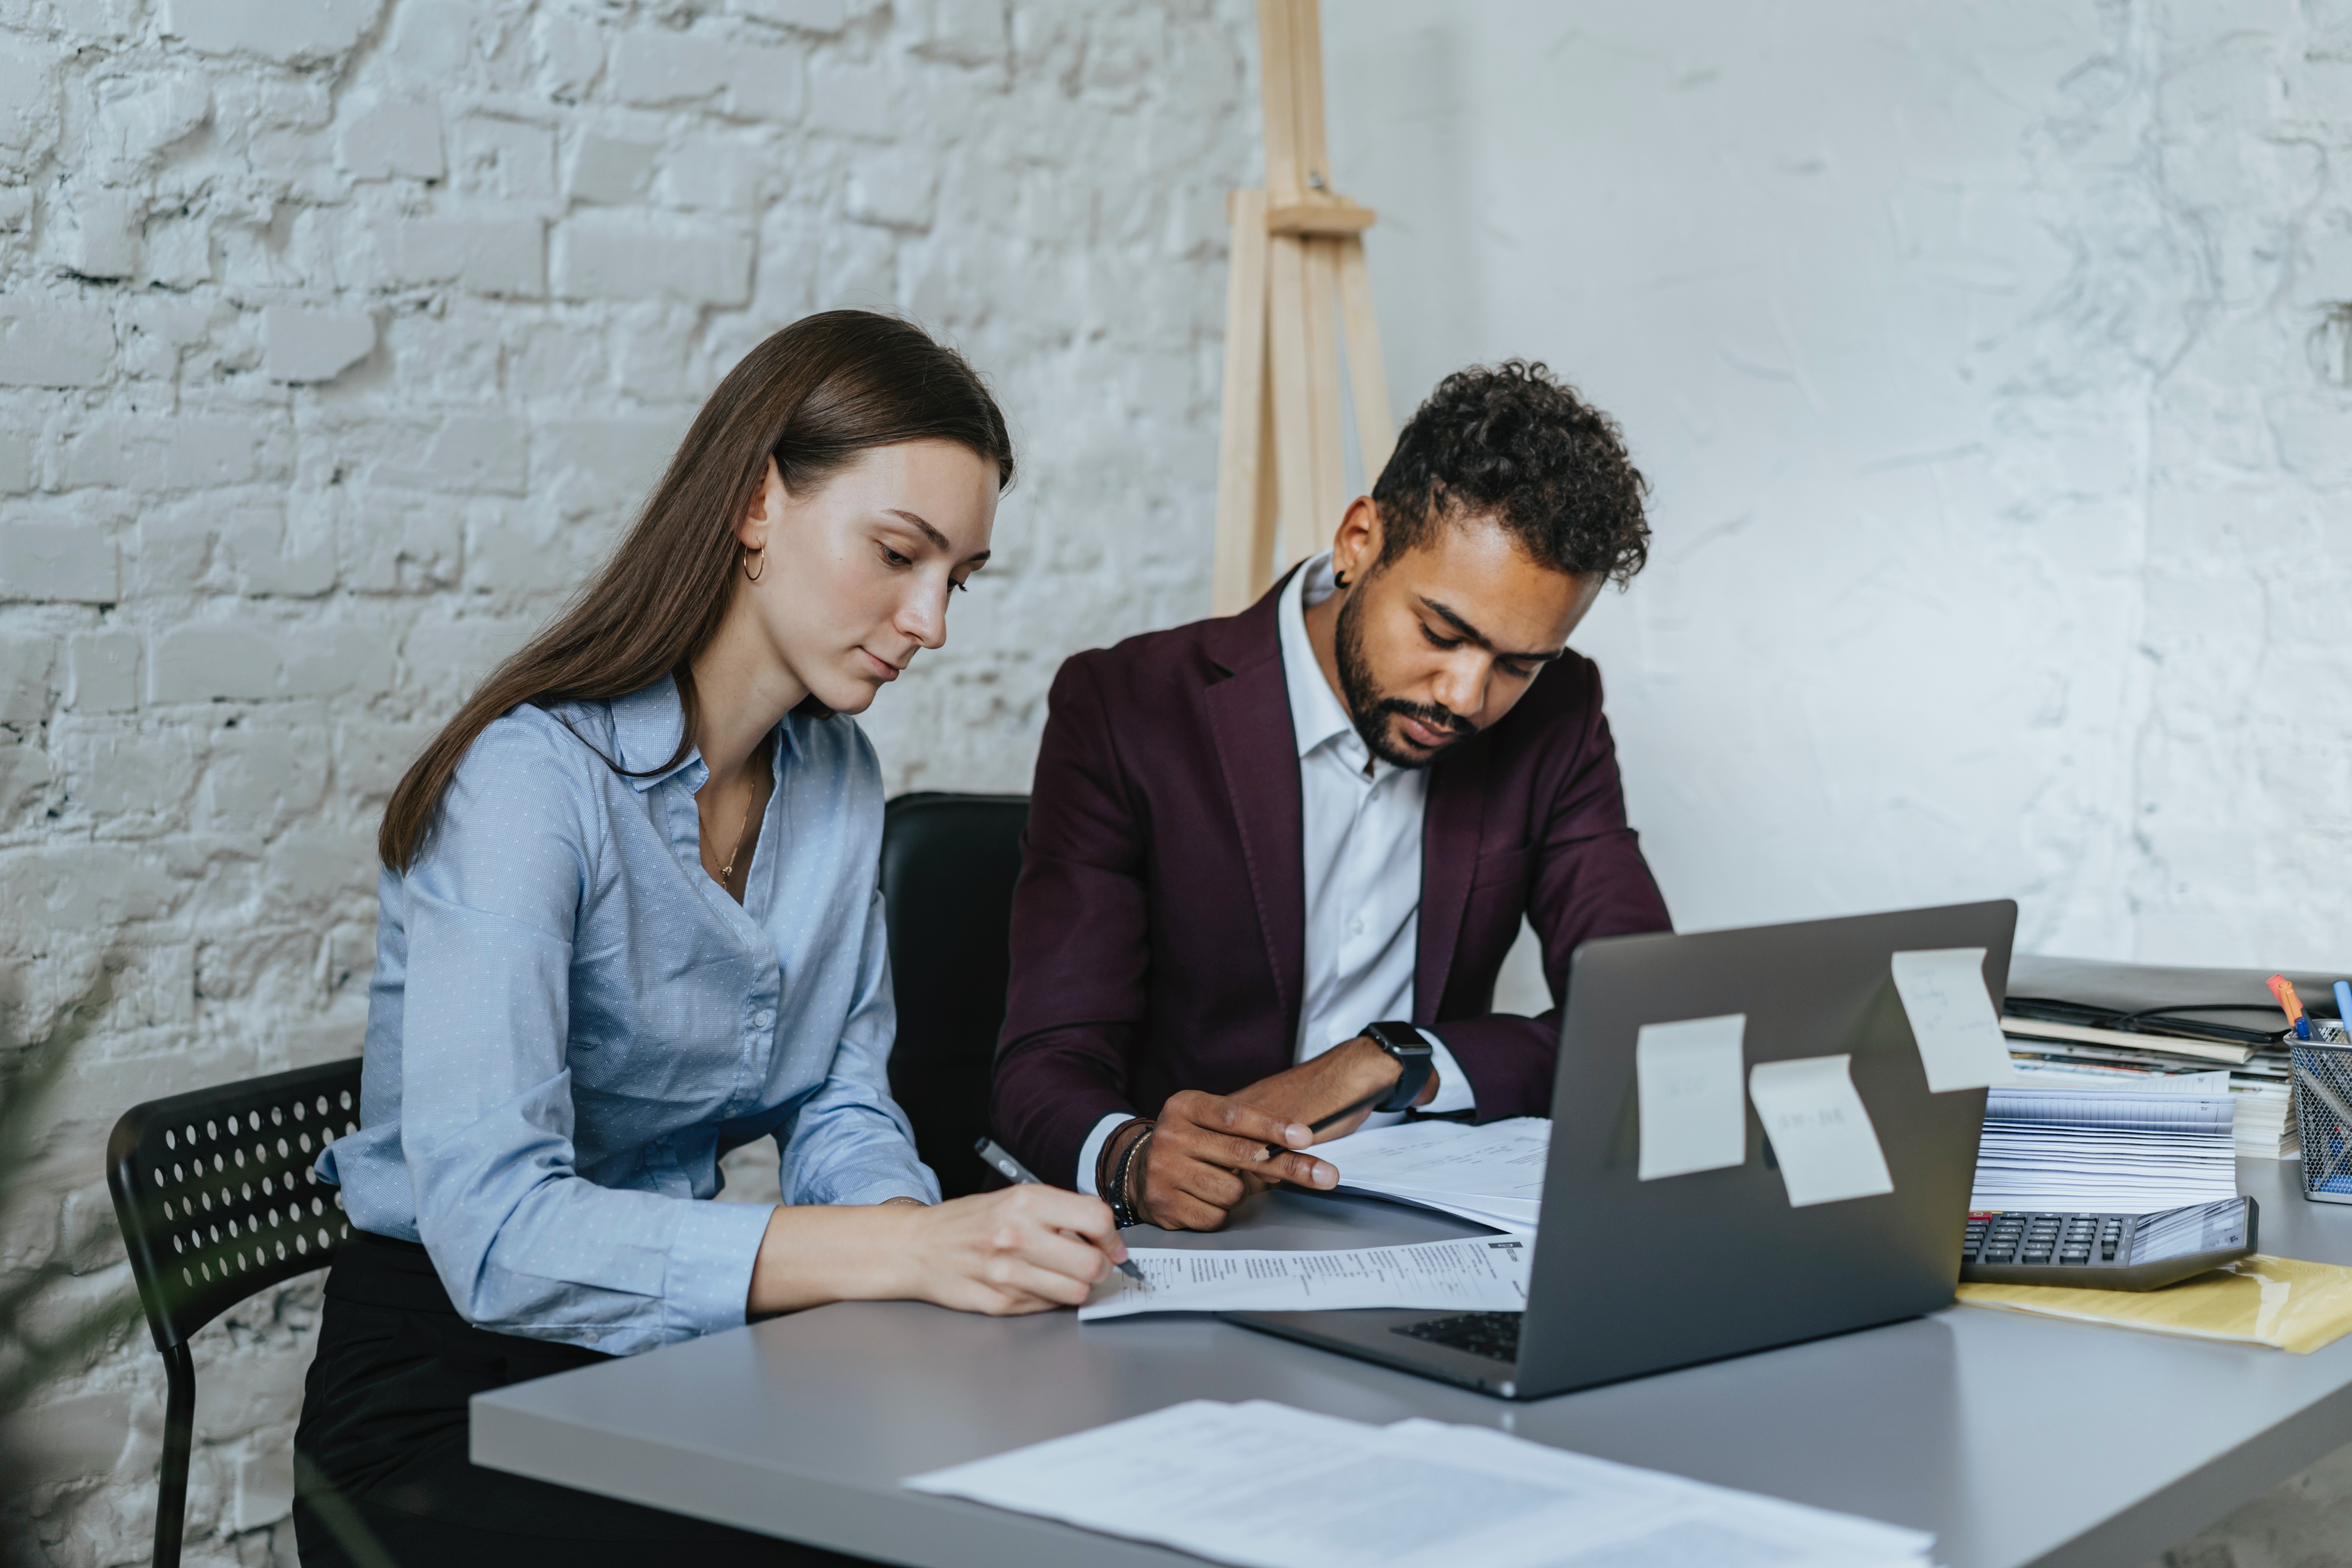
{"x": 1454, "y": 1092}
{"x": 708, "y": 1284}
{"x": 1090, "y": 1152}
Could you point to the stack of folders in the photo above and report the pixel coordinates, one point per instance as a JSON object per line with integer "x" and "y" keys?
{"x": 2258, "y": 1076}
{"x": 1492, "y": 1174}
{"x": 2053, "y": 1141}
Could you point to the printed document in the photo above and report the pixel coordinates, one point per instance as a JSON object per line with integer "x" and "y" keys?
{"x": 1266, "y": 1486}
{"x": 1952, "y": 1019}
{"x": 1820, "y": 1133}
{"x": 1492, "y": 1174}
{"x": 1687, "y": 1078}
{"x": 1479, "y": 1274}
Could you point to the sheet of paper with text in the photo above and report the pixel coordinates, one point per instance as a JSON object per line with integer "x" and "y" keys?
{"x": 1476, "y": 1274}
{"x": 1952, "y": 1017}
{"x": 1820, "y": 1133}
{"x": 1693, "y": 1107}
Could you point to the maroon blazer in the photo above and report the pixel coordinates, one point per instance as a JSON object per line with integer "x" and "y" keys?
{"x": 1160, "y": 925}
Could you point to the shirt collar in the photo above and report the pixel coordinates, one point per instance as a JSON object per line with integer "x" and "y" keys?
{"x": 1317, "y": 715}
{"x": 647, "y": 724}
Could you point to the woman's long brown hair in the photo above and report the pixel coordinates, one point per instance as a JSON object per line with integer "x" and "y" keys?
{"x": 812, "y": 397}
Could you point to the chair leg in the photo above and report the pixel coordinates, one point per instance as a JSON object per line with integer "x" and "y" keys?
{"x": 179, "y": 1435}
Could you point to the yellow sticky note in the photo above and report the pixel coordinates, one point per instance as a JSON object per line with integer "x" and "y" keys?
{"x": 2281, "y": 1301}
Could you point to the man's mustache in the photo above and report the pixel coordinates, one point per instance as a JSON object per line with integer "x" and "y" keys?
{"x": 1434, "y": 716}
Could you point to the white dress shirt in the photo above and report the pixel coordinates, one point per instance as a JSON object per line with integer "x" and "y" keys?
{"x": 1361, "y": 819}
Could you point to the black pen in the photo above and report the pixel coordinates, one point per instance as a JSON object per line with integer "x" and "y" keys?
{"x": 1013, "y": 1171}
{"x": 1337, "y": 1116}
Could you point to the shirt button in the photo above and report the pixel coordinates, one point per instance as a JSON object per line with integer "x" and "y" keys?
{"x": 762, "y": 1019}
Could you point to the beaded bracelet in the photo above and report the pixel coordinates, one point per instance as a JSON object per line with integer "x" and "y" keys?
{"x": 1122, "y": 1204}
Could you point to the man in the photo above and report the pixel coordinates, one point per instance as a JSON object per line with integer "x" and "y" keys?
{"x": 1262, "y": 848}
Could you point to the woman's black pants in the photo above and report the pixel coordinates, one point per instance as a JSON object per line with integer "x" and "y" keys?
{"x": 385, "y": 1424}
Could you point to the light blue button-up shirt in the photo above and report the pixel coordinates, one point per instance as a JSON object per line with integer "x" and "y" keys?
{"x": 571, "y": 1022}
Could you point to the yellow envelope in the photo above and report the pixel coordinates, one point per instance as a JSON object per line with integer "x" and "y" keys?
{"x": 2261, "y": 1301}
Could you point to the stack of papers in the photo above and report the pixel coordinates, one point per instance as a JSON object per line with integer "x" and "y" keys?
{"x": 1471, "y": 1275}
{"x": 1492, "y": 1174}
{"x": 1266, "y": 1486}
{"x": 2052, "y": 1142}
{"x": 2258, "y": 1076}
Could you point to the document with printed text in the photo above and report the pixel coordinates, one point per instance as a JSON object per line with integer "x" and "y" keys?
{"x": 1492, "y": 1174}
{"x": 1480, "y": 1274}
{"x": 1266, "y": 1486}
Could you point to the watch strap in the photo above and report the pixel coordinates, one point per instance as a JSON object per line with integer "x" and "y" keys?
{"x": 1416, "y": 1061}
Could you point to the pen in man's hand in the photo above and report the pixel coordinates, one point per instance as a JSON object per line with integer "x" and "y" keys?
{"x": 1013, "y": 1171}
{"x": 1337, "y": 1117}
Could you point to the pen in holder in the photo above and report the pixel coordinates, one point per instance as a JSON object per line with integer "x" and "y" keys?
{"x": 2323, "y": 1115}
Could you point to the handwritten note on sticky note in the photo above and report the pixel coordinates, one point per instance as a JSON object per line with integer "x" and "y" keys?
{"x": 1687, "y": 1076}
{"x": 1951, "y": 1014}
{"x": 1821, "y": 1133}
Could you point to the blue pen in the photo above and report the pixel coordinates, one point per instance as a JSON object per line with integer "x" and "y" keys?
{"x": 2344, "y": 1007}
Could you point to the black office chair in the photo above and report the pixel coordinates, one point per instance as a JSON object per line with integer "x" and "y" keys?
{"x": 218, "y": 1202}
{"x": 949, "y": 863}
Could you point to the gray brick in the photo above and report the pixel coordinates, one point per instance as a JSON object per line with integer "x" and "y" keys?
{"x": 26, "y": 665}
{"x": 60, "y": 562}
{"x": 897, "y": 188}
{"x": 202, "y": 663}
{"x": 48, "y": 343}
{"x": 654, "y": 67}
{"x": 16, "y": 462}
{"x": 608, "y": 170}
{"x": 808, "y": 15}
{"x": 489, "y": 256}
{"x": 389, "y": 138}
{"x": 311, "y": 345}
{"x": 156, "y": 453}
{"x": 29, "y": 94}
{"x": 306, "y": 30}
{"x": 105, "y": 672}
{"x": 102, "y": 240}
{"x": 482, "y": 450}
{"x": 625, "y": 256}
{"x": 504, "y": 159}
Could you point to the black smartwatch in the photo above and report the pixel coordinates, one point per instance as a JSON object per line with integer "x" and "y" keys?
{"x": 1414, "y": 1062}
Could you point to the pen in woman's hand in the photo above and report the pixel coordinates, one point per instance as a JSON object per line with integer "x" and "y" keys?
{"x": 1013, "y": 1171}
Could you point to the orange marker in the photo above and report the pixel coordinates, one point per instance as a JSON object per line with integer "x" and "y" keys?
{"x": 2291, "y": 1004}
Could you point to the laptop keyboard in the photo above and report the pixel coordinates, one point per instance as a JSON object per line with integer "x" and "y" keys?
{"x": 1492, "y": 1334}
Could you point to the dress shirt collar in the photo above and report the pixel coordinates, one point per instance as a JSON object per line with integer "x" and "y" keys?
{"x": 1318, "y": 718}
{"x": 647, "y": 725}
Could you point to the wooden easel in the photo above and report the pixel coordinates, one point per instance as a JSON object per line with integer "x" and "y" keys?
{"x": 1298, "y": 261}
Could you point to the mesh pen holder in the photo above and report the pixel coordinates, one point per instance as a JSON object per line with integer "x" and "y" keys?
{"x": 2323, "y": 1119}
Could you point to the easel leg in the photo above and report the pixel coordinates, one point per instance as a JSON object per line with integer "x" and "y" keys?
{"x": 1244, "y": 545}
{"x": 1367, "y": 376}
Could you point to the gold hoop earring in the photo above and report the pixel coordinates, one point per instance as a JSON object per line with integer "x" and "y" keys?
{"x": 749, "y": 575}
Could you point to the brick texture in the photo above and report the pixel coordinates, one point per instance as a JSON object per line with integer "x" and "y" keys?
{"x": 337, "y": 340}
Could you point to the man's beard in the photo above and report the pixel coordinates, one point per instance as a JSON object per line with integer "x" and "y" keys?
{"x": 1371, "y": 711}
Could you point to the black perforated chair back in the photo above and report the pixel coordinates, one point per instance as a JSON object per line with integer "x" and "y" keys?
{"x": 218, "y": 1202}
{"x": 949, "y": 863}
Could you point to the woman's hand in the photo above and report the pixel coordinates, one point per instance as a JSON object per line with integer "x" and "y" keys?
{"x": 1024, "y": 1249}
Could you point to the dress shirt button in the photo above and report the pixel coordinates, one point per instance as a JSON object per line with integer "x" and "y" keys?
{"x": 762, "y": 1019}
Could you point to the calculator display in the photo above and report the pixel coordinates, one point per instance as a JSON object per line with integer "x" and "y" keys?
{"x": 2207, "y": 1228}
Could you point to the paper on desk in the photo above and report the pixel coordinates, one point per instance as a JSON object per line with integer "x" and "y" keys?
{"x": 1477, "y": 1274}
{"x": 1820, "y": 1133}
{"x": 1686, "y": 1077}
{"x": 2280, "y": 1301}
{"x": 1266, "y": 1486}
{"x": 1952, "y": 1017}
{"x": 1493, "y": 1174}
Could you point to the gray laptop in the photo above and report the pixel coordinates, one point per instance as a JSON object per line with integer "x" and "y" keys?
{"x": 1632, "y": 1277}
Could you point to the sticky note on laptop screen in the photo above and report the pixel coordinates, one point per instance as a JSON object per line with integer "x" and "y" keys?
{"x": 1820, "y": 1133}
{"x": 1690, "y": 1082}
{"x": 1951, "y": 1014}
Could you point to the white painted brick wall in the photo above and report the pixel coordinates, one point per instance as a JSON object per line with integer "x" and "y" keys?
{"x": 337, "y": 337}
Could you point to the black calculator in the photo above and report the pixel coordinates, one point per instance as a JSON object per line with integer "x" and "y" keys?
{"x": 2105, "y": 1251}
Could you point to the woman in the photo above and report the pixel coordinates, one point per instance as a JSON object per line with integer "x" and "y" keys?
{"x": 628, "y": 921}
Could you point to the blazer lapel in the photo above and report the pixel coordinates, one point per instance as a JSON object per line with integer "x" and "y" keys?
{"x": 1452, "y": 821}
{"x": 1257, "y": 750}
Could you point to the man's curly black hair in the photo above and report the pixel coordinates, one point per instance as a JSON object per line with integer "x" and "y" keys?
{"x": 1516, "y": 444}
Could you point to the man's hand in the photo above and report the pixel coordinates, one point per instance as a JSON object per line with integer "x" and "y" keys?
{"x": 1321, "y": 1085}
{"x": 1202, "y": 1144}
